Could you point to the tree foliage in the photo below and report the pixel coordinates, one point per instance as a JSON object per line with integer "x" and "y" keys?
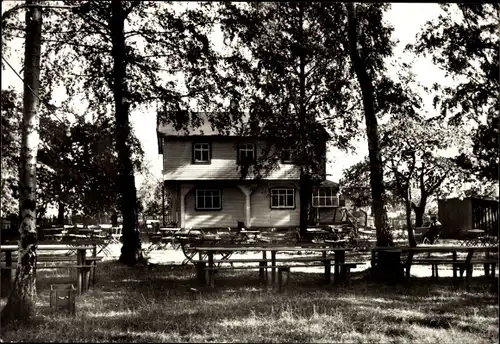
{"x": 464, "y": 42}
{"x": 287, "y": 72}
{"x": 78, "y": 165}
{"x": 412, "y": 150}
{"x": 121, "y": 56}
{"x": 150, "y": 198}
{"x": 291, "y": 68}
{"x": 10, "y": 148}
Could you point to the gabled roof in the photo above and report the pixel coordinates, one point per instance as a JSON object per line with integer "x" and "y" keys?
{"x": 199, "y": 125}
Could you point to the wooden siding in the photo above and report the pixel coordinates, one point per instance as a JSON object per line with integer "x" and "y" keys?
{"x": 233, "y": 210}
{"x": 177, "y": 163}
{"x": 263, "y": 216}
{"x": 455, "y": 215}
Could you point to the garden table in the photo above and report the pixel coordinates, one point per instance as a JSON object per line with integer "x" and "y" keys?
{"x": 81, "y": 249}
{"x": 268, "y": 250}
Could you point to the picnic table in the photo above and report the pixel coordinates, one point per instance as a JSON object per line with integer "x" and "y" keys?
{"x": 207, "y": 266}
{"x": 463, "y": 265}
{"x": 197, "y": 237}
{"x": 83, "y": 264}
{"x": 477, "y": 237}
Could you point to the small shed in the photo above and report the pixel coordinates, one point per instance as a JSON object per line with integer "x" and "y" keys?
{"x": 458, "y": 215}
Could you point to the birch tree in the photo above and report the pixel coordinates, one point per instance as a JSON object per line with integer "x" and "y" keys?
{"x": 21, "y": 302}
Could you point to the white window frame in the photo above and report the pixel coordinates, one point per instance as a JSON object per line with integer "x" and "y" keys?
{"x": 282, "y": 194}
{"x": 246, "y": 147}
{"x": 201, "y": 147}
{"x": 290, "y": 151}
{"x": 319, "y": 201}
{"x": 212, "y": 193}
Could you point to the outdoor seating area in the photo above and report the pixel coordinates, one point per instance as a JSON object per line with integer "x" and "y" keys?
{"x": 477, "y": 237}
{"x": 276, "y": 254}
{"x": 461, "y": 259}
{"x": 104, "y": 235}
{"x": 55, "y": 257}
{"x": 330, "y": 257}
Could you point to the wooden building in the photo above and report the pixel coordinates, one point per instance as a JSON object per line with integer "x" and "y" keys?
{"x": 458, "y": 215}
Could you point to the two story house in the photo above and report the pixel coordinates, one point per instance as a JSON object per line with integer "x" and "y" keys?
{"x": 202, "y": 176}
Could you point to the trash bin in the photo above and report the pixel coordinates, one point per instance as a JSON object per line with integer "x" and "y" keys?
{"x": 389, "y": 267}
{"x": 62, "y": 297}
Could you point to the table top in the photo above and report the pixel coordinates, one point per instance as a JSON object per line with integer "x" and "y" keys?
{"x": 317, "y": 230}
{"x": 46, "y": 247}
{"x": 268, "y": 248}
{"x": 435, "y": 248}
{"x": 170, "y": 229}
{"x": 478, "y": 231}
{"x": 60, "y": 246}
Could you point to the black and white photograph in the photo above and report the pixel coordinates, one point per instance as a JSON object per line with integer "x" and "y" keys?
{"x": 253, "y": 172}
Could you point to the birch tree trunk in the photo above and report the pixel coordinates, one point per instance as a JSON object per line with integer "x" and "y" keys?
{"x": 21, "y": 302}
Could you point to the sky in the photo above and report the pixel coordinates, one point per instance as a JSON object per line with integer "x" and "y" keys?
{"x": 407, "y": 19}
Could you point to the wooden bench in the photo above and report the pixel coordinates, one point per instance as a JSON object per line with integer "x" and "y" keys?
{"x": 458, "y": 265}
{"x": 342, "y": 270}
{"x": 85, "y": 272}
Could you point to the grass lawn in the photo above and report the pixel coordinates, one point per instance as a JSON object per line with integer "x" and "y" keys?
{"x": 158, "y": 304}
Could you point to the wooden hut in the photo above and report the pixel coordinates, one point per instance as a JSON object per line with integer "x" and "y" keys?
{"x": 458, "y": 215}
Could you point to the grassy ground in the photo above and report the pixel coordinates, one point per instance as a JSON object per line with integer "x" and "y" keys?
{"x": 165, "y": 304}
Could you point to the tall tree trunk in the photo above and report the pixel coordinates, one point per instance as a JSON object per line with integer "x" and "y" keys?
{"x": 21, "y": 302}
{"x": 131, "y": 249}
{"x": 419, "y": 213}
{"x": 305, "y": 196}
{"x": 411, "y": 235}
{"x": 305, "y": 178}
{"x": 60, "y": 213}
{"x": 376, "y": 174}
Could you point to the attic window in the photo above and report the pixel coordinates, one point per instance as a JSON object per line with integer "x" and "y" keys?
{"x": 201, "y": 153}
{"x": 287, "y": 155}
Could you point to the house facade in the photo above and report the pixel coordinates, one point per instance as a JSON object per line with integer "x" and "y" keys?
{"x": 201, "y": 173}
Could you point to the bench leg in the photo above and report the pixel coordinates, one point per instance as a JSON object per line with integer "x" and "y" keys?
{"x": 407, "y": 273}
{"x": 468, "y": 277}
{"x": 273, "y": 270}
{"x": 283, "y": 281}
{"x": 212, "y": 278}
{"x": 84, "y": 275}
{"x": 200, "y": 273}
{"x": 263, "y": 272}
{"x": 336, "y": 274}
{"x": 486, "y": 269}
{"x": 79, "y": 281}
{"x": 7, "y": 282}
{"x": 347, "y": 277}
{"x": 92, "y": 272}
{"x": 328, "y": 272}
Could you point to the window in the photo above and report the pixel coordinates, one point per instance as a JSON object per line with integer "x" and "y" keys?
{"x": 324, "y": 197}
{"x": 201, "y": 153}
{"x": 283, "y": 198}
{"x": 287, "y": 155}
{"x": 208, "y": 199}
{"x": 246, "y": 153}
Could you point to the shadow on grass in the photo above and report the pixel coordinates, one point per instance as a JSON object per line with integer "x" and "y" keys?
{"x": 165, "y": 304}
